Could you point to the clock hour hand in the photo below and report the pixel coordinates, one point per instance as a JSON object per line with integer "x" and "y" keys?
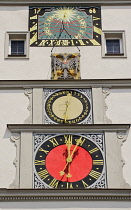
{"x": 70, "y": 159}
{"x": 67, "y": 107}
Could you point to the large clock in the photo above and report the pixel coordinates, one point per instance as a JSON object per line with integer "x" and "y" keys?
{"x": 68, "y": 106}
{"x": 65, "y": 26}
{"x": 69, "y": 161}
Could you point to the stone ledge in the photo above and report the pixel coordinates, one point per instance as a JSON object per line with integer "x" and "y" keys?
{"x": 68, "y": 128}
{"x": 65, "y": 195}
{"x": 83, "y": 83}
{"x": 59, "y": 2}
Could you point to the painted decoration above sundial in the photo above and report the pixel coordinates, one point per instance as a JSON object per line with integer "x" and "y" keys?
{"x": 65, "y": 26}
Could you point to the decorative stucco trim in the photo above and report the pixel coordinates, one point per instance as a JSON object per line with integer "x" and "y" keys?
{"x": 122, "y": 137}
{"x": 28, "y": 93}
{"x": 16, "y": 139}
{"x": 83, "y": 83}
{"x": 106, "y": 92}
{"x": 41, "y": 2}
{"x": 68, "y": 128}
{"x": 65, "y": 195}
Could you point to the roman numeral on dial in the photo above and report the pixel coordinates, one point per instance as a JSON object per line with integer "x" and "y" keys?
{"x": 39, "y": 162}
{"x": 54, "y": 183}
{"x": 43, "y": 174}
{"x": 93, "y": 150}
{"x": 54, "y": 142}
{"x": 69, "y": 185}
{"x": 94, "y": 174}
{"x": 84, "y": 184}
{"x": 42, "y": 150}
{"x": 68, "y": 139}
{"x": 98, "y": 162}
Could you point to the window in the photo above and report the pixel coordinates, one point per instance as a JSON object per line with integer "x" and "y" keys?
{"x": 113, "y": 44}
{"x": 17, "y": 45}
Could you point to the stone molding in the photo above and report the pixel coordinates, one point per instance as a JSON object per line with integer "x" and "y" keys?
{"x": 122, "y": 137}
{"x": 65, "y": 195}
{"x": 81, "y": 128}
{"x": 106, "y": 92}
{"x": 28, "y": 93}
{"x": 83, "y": 83}
{"x": 16, "y": 139}
{"x": 89, "y": 2}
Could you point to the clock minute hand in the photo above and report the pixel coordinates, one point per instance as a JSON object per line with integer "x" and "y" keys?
{"x": 78, "y": 142}
{"x": 67, "y": 106}
{"x": 70, "y": 160}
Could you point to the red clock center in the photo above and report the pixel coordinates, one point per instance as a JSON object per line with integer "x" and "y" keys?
{"x": 69, "y": 164}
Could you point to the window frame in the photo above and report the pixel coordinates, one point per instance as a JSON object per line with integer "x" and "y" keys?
{"x": 114, "y": 35}
{"x": 16, "y": 36}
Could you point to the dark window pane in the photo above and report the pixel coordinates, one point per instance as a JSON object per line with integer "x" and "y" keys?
{"x": 17, "y": 47}
{"x": 113, "y": 46}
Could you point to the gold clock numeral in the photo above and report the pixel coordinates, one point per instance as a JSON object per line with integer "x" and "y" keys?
{"x": 42, "y": 150}
{"x": 43, "y": 174}
{"x": 69, "y": 185}
{"x": 97, "y": 30}
{"x": 96, "y": 18}
{"x": 54, "y": 142}
{"x": 92, "y": 10}
{"x": 33, "y": 28}
{"x": 39, "y": 162}
{"x": 98, "y": 162}
{"x": 54, "y": 183}
{"x": 84, "y": 184}
{"x": 93, "y": 150}
{"x": 68, "y": 139}
{"x": 81, "y": 141}
{"x": 94, "y": 42}
{"x": 94, "y": 174}
{"x": 37, "y": 10}
{"x": 33, "y": 39}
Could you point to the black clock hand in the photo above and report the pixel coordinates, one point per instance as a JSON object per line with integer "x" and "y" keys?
{"x": 61, "y": 30}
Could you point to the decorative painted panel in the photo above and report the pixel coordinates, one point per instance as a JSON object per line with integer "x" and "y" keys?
{"x": 64, "y": 26}
{"x": 65, "y": 66}
{"x": 68, "y": 106}
{"x": 69, "y": 161}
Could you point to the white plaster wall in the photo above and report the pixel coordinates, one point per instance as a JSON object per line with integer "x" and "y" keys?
{"x": 119, "y": 111}
{"x": 13, "y": 109}
{"x": 119, "y": 106}
{"x": 92, "y": 64}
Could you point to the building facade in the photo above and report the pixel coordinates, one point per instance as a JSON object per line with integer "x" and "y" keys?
{"x": 65, "y": 93}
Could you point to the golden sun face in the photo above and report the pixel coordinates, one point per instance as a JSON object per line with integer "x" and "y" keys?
{"x": 65, "y": 14}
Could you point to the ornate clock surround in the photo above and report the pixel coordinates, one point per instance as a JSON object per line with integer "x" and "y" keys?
{"x": 75, "y": 103}
{"x": 86, "y": 167}
{"x": 114, "y": 135}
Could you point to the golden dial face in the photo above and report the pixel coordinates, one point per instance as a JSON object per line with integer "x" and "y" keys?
{"x": 67, "y": 106}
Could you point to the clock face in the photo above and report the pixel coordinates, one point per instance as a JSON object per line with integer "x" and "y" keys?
{"x": 68, "y": 106}
{"x": 68, "y": 161}
{"x": 65, "y": 26}
{"x": 65, "y": 23}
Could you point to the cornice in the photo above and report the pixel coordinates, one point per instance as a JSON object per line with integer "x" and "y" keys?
{"x": 65, "y": 195}
{"x": 62, "y": 2}
{"x": 81, "y": 128}
{"x": 83, "y": 83}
